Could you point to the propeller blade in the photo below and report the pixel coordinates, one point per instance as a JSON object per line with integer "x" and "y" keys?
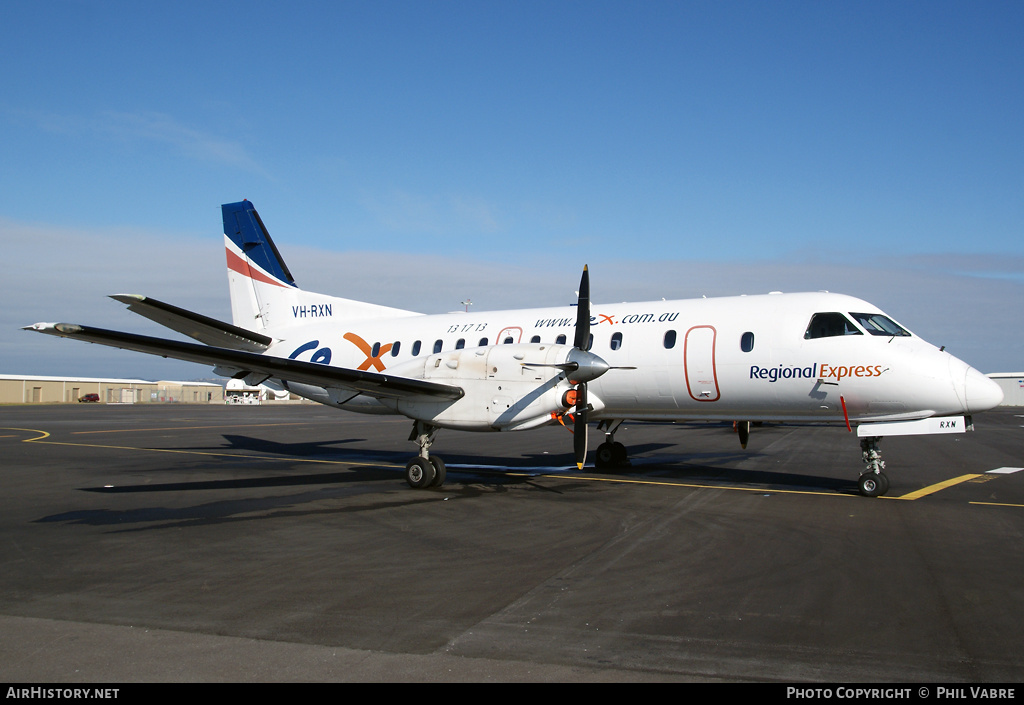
{"x": 579, "y": 428}
{"x": 587, "y": 365}
{"x": 583, "y": 312}
{"x": 743, "y": 428}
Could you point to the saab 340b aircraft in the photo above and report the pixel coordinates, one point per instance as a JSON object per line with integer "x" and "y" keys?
{"x": 809, "y": 357}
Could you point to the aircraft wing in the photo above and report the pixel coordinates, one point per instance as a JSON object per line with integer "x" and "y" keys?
{"x": 195, "y": 325}
{"x": 243, "y": 363}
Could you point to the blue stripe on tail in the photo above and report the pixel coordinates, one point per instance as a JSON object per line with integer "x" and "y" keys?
{"x": 243, "y": 225}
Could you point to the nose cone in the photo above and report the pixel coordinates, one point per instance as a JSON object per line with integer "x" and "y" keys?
{"x": 588, "y": 366}
{"x": 981, "y": 392}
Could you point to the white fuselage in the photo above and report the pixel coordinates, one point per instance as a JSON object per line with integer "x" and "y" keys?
{"x": 731, "y": 358}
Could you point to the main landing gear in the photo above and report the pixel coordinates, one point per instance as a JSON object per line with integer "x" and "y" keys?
{"x": 424, "y": 470}
{"x": 873, "y": 482}
{"x": 610, "y": 454}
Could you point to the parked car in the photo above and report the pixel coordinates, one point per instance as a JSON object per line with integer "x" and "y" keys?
{"x": 89, "y": 397}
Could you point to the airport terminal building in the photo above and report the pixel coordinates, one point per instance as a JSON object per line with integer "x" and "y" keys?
{"x": 27, "y": 389}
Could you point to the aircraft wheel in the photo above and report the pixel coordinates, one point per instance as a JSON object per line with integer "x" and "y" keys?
{"x": 873, "y": 484}
{"x": 439, "y": 471}
{"x": 419, "y": 472}
{"x": 603, "y": 455}
{"x": 620, "y": 456}
{"x": 610, "y": 455}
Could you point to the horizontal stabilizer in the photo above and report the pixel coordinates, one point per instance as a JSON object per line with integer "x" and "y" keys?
{"x": 244, "y": 364}
{"x": 195, "y": 325}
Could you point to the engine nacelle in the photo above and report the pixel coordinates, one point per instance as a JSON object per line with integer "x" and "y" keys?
{"x": 508, "y": 387}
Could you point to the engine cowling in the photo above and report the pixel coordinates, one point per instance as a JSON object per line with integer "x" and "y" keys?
{"x": 508, "y": 387}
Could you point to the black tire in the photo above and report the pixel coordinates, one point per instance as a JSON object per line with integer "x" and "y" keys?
{"x": 419, "y": 473}
{"x": 439, "y": 471}
{"x": 611, "y": 455}
{"x": 620, "y": 456}
{"x": 604, "y": 456}
{"x": 873, "y": 484}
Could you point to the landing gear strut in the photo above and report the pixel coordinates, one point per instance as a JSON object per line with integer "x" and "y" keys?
{"x": 873, "y": 482}
{"x": 424, "y": 470}
{"x": 611, "y": 454}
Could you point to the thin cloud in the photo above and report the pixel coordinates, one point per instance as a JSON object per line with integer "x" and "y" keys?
{"x": 149, "y": 127}
{"x": 986, "y": 266}
{"x": 407, "y": 212}
{"x": 196, "y": 144}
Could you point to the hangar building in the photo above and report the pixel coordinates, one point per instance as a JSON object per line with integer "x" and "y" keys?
{"x": 28, "y": 389}
{"x": 1012, "y": 384}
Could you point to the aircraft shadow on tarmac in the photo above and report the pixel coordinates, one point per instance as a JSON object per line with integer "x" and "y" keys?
{"x": 262, "y": 445}
{"x": 711, "y": 468}
{"x": 760, "y": 479}
{"x": 468, "y": 478}
{"x": 306, "y": 503}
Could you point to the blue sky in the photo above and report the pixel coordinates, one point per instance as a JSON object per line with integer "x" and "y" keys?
{"x": 427, "y": 152}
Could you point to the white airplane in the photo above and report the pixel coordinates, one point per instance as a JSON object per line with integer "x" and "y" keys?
{"x": 808, "y": 357}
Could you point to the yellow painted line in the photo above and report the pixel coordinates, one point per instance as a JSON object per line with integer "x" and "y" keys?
{"x": 665, "y": 483}
{"x": 998, "y": 504}
{"x": 29, "y": 430}
{"x": 937, "y": 487}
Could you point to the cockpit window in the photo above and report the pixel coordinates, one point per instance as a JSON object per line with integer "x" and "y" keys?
{"x": 877, "y": 324}
{"x": 828, "y": 325}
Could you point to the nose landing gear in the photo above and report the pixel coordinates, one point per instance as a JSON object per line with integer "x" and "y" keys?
{"x": 873, "y": 482}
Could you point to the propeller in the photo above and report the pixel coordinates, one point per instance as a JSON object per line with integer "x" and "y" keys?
{"x": 582, "y": 366}
{"x": 580, "y": 345}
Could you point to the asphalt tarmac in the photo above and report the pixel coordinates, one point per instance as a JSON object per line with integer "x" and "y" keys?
{"x": 187, "y": 543}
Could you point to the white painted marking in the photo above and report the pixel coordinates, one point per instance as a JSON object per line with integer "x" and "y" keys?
{"x": 1004, "y": 471}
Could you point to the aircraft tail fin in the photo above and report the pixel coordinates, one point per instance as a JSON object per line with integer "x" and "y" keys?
{"x": 264, "y": 294}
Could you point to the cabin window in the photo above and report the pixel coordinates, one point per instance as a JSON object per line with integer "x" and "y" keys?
{"x": 590, "y": 341}
{"x": 670, "y": 339}
{"x": 616, "y": 341}
{"x": 394, "y": 349}
{"x": 535, "y": 339}
{"x": 877, "y": 324}
{"x": 438, "y": 345}
{"x": 830, "y": 325}
{"x": 560, "y": 340}
{"x": 460, "y": 343}
{"x": 416, "y": 349}
{"x": 375, "y": 350}
{"x": 507, "y": 341}
{"x": 483, "y": 342}
{"x": 747, "y": 342}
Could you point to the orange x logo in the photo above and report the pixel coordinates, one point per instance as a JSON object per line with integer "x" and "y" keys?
{"x": 371, "y": 359}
